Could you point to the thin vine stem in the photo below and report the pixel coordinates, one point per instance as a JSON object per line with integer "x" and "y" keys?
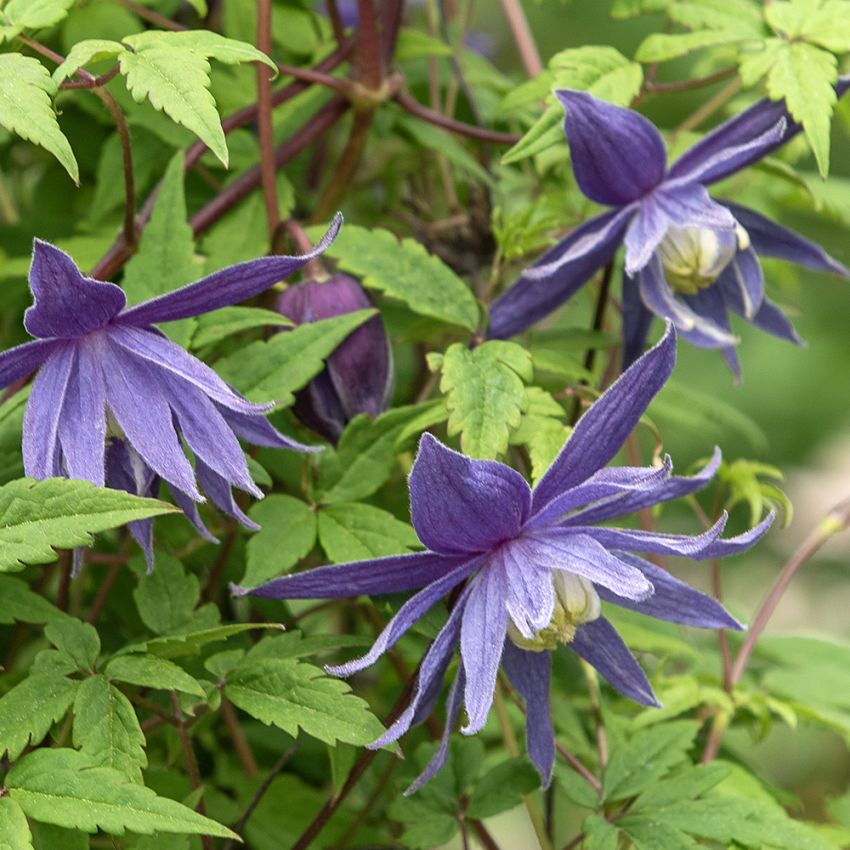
{"x": 264, "y": 120}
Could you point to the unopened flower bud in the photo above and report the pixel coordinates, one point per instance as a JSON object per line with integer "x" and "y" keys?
{"x": 694, "y": 257}
{"x": 358, "y": 376}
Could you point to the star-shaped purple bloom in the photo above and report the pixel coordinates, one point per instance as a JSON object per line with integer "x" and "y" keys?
{"x": 113, "y": 396}
{"x": 688, "y": 258}
{"x": 533, "y": 565}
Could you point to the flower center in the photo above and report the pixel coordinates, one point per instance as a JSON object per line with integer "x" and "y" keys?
{"x": 576, "y": 602}
{"x": 694, "y": 257}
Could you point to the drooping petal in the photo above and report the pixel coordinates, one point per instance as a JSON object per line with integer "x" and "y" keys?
{"x": 376, "y": 576}
{"x": 482, "y": 636}
{"x": 617, "y": 154}
{"x": 218, "y": 489}
{"x": 636, "y": 322}
{"x": 225, "y": 287}
{"x": 530, "y": 598}
{"x": 772, "y": 240}
{"x": 186, "y": 504}
{"x": 769, "y": 317}
{"x": 673, "y": 600}
{"x": 412, "y": 610}
{"x": 710, "y": 303}
{"x": 560, "y": 549}
{"x": 82, "y": 424}
{"x": 557, "y": 275}
{"x": 41, "y": 449}
{"x": 746, "y": 272}
{"x": 739, "y": 543}
{"x": 22, "y": 360}
{"x": 67, "y": 304}
{"x": 460, "y": 505}
{"x": 530, "y": 673}
{"x": 599, "y": 645}
{"x": 254, "y": 428}
{"x": 602, "y": 430}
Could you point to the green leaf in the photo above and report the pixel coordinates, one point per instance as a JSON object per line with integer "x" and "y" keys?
{"x": 622, "y": 9}
{"x": 166, "y": 597}
{"x": 205, "y": 43}
{"x": 107, "y": 730}
{"x": 827, "y": 24}
{"x": 151, "y": 671}
{"x": 295, "y": 645}
{"x": 35, "y": 14}
{"x": 45, "y": 836}
{"x": 36, "y": 516}
{"x": 652, "y": 834}
{"x": 599, "y": 834}
{"x": 212, "y": 327}
{"x": 544, "y": 133}
{"x": 541, "y": 430}
{"x": 191, "y": 643}
{"x": 804, "y": 75}
{"x": 274, "y": 370}
{"x": 350, "y": 531}
{"x": 288, "y": 694}
{"x": 26, "y": 108}
{"x": 78, "y": 640}
{"x": 718, "y": 15}
{"x": 403, "y": 269}
{"x": 688, "y": 784}
{"x": 659, "y": 47}
{"x": 485, "y": 395}
{"x": 21, "y": 603}
{"x": 64, "y": 788}
{"x": 166, "y": 257}
{"x": 502, "y": 788}
{"x": 83, "y": 52}
{"x": 29, "y": 709}
{"x": 287, "y": 533}
{"x": 414, "y": 44}
{"x": 14, "y": 830}
{"x": 600, "y": 70}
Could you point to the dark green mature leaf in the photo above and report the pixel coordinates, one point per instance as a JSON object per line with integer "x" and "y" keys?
{"x": 64, "y": 788}
{"x": 191, "y": 642}
{"x": 576, "y": 788}
{"x": 350, "y": 531}
{"x": 406, "y": 271}
{"x": 502, "y": 788}
{"x": 688, "y": 784}
{"x": 212, "y": 327}
{"x": 29, "y": 709}
{"x": 14, "y": 830}
{"x": 649, "y": 833}
{"x": 274, "y": 370}
{"x": 166, "y": 598}
{"x": 78, "y": 640}
{"x": 45, "y": 836}
{"x": 36, "y": 516}
{"x": 151, "y": 671}
{"x": 290, "y": 694}
{"x": 107, "y": 730}
{"x": 26, "y": 93}
{"x": 287, "y": 533}
{"x": 21, "y": 603}
{"x": 295, "y": 644}
{"x": 485, "y": 395}
{"x": 599, "y": 834}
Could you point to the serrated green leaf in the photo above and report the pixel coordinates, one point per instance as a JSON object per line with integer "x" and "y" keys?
{"x": 351, "y": 531}
{"x": 485, "y": 395}
{"x": 21, "y": 603}
{"x": 83, "y": 52}
{"x": 62, "y": 787}
{"x": 274, "y": 370}
{"x": 29, "y": 709}
{"x": 295, "y": 645}
{"x": 649, "y": 833}
{"x": 545, "y": 132}
{"x": 36, "y": 516}
{"x": 26, "y": 94}
{"x": 151, "y": 671}
{"x": 166, "y": 257}
{"x": 601, "y": 70}
{"x": 107, "y": 730}
{"x": 287, "y": 533}
{"x": 36, "y": 14}
{"x": 290, "y": 694}
{"x": 502, "y": 788}
{"x": 78, "y": 640}
{"x": 659, "y": 47}
{"x": 541, "y": 430}
{"x": 803, "y": 75}
{"x": 45, "y": 836}
{"x": 688, "y": 784}
{"x": 191, "y": 643}
{"x": 205, "y": 43}
{"x": 166, "y": 597}
{"x": 212, "y": 327}
{"x": 403, "y": 269}
{"x": 14, "y": 830}
{"x": 827, "y": 24}
{"x": 599, "y": 834}
{"x": 718, "y": 15}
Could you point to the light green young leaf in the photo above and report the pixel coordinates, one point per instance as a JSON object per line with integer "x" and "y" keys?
{"x": 29, "y": 709}
{"x": 205, "y": 43}
{"x": 212, "y": 327}
{"x": 78, "y": 640}
{"x": 601, "y": 70}
{"x": 718, "y": 15}
{"x": 36, "y": 516}
{"x": 14, "y": 830}
{"x": 827, "y": 24}
{"x": 151, "y": 671}
{"x": 546, "y": 131}
{"x": 21, "y": 603}
{"x": 290, "y": 694}
{"x": 35, "y": 14}
{"x": 622, "y": 9}
{"x": 692, "y": 782}
{"x": 45, "y": 836}
{"x": 403, "y": 269}
{"x": 274, "y": 370}
{"x": 485, "y": 395}
{"x": 659, "y": 47}
{"x": 107, "y": 730}
{"x": 352, "y": 531}
{"x": 26, "y": 94}
{"x": 414, "y": 44}
{"x": 83, "y": 52}
{"x": 287, "y": 533}
{"x": 62, "y": 787}
{"x": 541, "y": 430}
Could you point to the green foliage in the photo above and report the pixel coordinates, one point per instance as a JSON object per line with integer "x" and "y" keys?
{"x": 349, "y": 531}
{"x": 14, "y": 830}
{"x": 151, "y": 671}
{"x": 212, "y": 327}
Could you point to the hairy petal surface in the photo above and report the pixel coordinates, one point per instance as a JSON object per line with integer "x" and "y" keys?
{"x": 22, "y": 360}
{"x": 530, "y": 598}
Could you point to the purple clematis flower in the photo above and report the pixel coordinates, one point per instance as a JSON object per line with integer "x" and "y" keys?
{"x": 113, "y": 396}
{"x": 358, "y": 376}
{"x": 688, "y": 258}
{"x": 533, "y": 565}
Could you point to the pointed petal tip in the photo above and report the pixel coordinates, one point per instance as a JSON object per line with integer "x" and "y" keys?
{"x": 238, "y": 590}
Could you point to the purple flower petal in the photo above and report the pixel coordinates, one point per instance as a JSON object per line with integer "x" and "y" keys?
{"x": 20, "y": 361}
{"x": 393, "y": 574}
{"x": 218, "y": 489}
{"x": 644, "y": 234}
{"x": 225, "y": 287}
{"x": 601, "y": 432}
{"x": 459, "y": 505}
{"x": 636, "y": 322}
{"x": 42, "y": 456}
{"x": 482, "y": 636}
{"x": 530, "y": 597}
{"x": 254, "y": 428}
{"x": 745, "y": 270}
{"x": 618, "y": 156}
{"x": 599, "y": 644}
{"x": 769, "y": 317}
{"x": 710, "y": 303}
{"x": 673, "y": 600}
{"x": 739, "y": 543}
{"x": 557, "y": 275}
{"x": 530, "y": 673}
{"x": 186, "y": 504}
{"x": 67, "y": 304}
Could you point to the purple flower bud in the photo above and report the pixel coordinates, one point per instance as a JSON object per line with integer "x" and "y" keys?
{"x": 358, "y": 376}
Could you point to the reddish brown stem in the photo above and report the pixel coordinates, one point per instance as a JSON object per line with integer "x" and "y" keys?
{"x": 264, "y": 120}
{"x": 370, "y": 66}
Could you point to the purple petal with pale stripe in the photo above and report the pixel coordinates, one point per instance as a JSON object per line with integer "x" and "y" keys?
{"x": 644, "y": 234}
{"x": 22, "y": 360}
{"x": 530, "y": 598}
{"x": 601, "y": 432}
{"x": 599, "y": 645}
{"x": 459, "y": 505}
{"x": 225, "y": 287}
{"x": 746, "y": 272}
{"x": 617, "y": 155}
